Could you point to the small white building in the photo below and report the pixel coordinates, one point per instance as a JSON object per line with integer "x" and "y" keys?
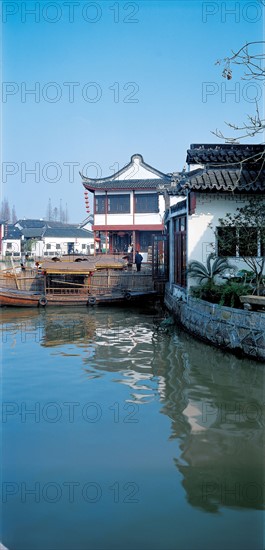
{"x": 65, "y": 240}
{"x": 11, "y": 241}
{"x": 40, "y": 238}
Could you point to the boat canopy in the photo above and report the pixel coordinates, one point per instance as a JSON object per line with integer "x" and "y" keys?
{"x": 84, "y": 267}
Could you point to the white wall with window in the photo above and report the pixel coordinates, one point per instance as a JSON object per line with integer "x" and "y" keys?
{"x": 117, "y": 208}
{"x": 204, "y": 223}
{"x": 11, "y": 247}
{"x": 60, "y": 245}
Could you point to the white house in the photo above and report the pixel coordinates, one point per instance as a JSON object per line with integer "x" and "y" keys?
{"x": 127, "y": 207}
{"x": 11, "y": 241}
{"x": 46, "y": 238}
{"x": 228, "y": 175}
{"x": 65, "y": 240}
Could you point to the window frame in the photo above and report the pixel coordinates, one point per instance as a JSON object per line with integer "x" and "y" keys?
{"x": 150, "y": 204}
{"x": 236, "y": 246}
{"x": 100, "y": 204}
{"x": 115, "y": 206}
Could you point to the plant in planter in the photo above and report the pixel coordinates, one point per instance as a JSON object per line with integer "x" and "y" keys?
{"x": 214, "y": 267}
{"x": 227, "y": 294}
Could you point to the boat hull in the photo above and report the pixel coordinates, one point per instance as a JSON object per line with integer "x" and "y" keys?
{"x": 19, "y": 298}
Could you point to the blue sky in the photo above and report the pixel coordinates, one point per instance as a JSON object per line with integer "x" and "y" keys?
{"x": 141, "y": 79}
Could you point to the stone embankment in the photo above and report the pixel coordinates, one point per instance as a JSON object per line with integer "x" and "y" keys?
{"x": 236, "y": 330}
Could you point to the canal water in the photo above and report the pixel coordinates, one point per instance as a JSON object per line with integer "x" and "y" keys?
{"x": 121, "y": 434}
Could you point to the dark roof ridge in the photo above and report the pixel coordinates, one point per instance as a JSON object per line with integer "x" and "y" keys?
{"x": 224, "y": 180}
{"x": 122, "y": 170}
{"x": 227, "y": 146}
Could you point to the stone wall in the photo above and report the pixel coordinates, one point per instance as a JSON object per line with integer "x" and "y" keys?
{"x": 237, "y": 330}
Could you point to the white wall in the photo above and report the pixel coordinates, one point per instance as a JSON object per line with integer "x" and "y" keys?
{"x": 146, "y": 219}
{"x": 127, "y": 219}
{"x": 15, "y": 247}
{"x": 137, "y": 171}
{"x": 209, "y": 208}
{"x": 37, "y": 248}
{"x": 63, "y": 242}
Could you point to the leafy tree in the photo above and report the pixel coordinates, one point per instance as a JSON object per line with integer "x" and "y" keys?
{"x": 27, "y": 245}
{"x": 244, "y": 233}
{"x": 214, "y": 267}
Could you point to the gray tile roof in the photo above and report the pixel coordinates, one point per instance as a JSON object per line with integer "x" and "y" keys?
{"x": 68, "y": 232}
{"x": 126, "y": 184}
{"x": 224, "y": 180}
{"x": 25, "y": 224}
{"x": 34, "y": 223}
{"x": 12, "y": 232}
{"x": 224, "y": 153}
{"x": 31, "y": 232}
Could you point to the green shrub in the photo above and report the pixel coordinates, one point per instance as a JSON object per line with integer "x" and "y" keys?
{"x": 227, "y": 294}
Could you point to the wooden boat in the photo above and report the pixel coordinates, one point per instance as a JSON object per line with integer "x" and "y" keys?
{"x": 85, "y": 282}
{"x": 20, "y": 298}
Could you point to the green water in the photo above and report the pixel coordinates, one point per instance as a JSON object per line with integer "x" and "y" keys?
{"x": 119, "y": 435}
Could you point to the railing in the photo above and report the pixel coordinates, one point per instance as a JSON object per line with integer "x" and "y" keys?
{"x": 27, "y": 280}
{"x": 103, "y": 283}
{"x": 67, "y": 291}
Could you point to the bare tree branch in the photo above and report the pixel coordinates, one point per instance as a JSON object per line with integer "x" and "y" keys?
{"x": 254, "y": 66}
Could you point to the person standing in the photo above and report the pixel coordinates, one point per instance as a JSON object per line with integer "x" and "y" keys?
{"x": 138, "y": 260}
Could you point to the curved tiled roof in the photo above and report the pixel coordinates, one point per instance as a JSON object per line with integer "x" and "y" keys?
{"x": 225, "y": 180}
{"x": 107, "y": 179}
{"x": 126, "y": 184}
{"x": 225, "y": 154}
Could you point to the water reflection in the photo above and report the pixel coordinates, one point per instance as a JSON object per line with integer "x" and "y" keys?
{"x": 213, "y": 399}
{"x": 215, "y": 402}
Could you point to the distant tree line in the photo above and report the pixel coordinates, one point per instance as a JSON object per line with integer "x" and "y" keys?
{"x": 6, "y": 213}
{"x": 57, "y": 214}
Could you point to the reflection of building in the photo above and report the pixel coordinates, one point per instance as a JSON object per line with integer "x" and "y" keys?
{"x": 213, "y": 400}
{"x": 217, "y": 421}
{"x": 127, "y": 208}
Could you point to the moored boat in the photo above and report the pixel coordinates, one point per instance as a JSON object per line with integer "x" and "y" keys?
{"x": 21, "y": 298}
{"x": 80, "y": 283}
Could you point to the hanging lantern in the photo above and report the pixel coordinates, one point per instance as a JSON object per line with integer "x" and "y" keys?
{"x": 87, "y": 202}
